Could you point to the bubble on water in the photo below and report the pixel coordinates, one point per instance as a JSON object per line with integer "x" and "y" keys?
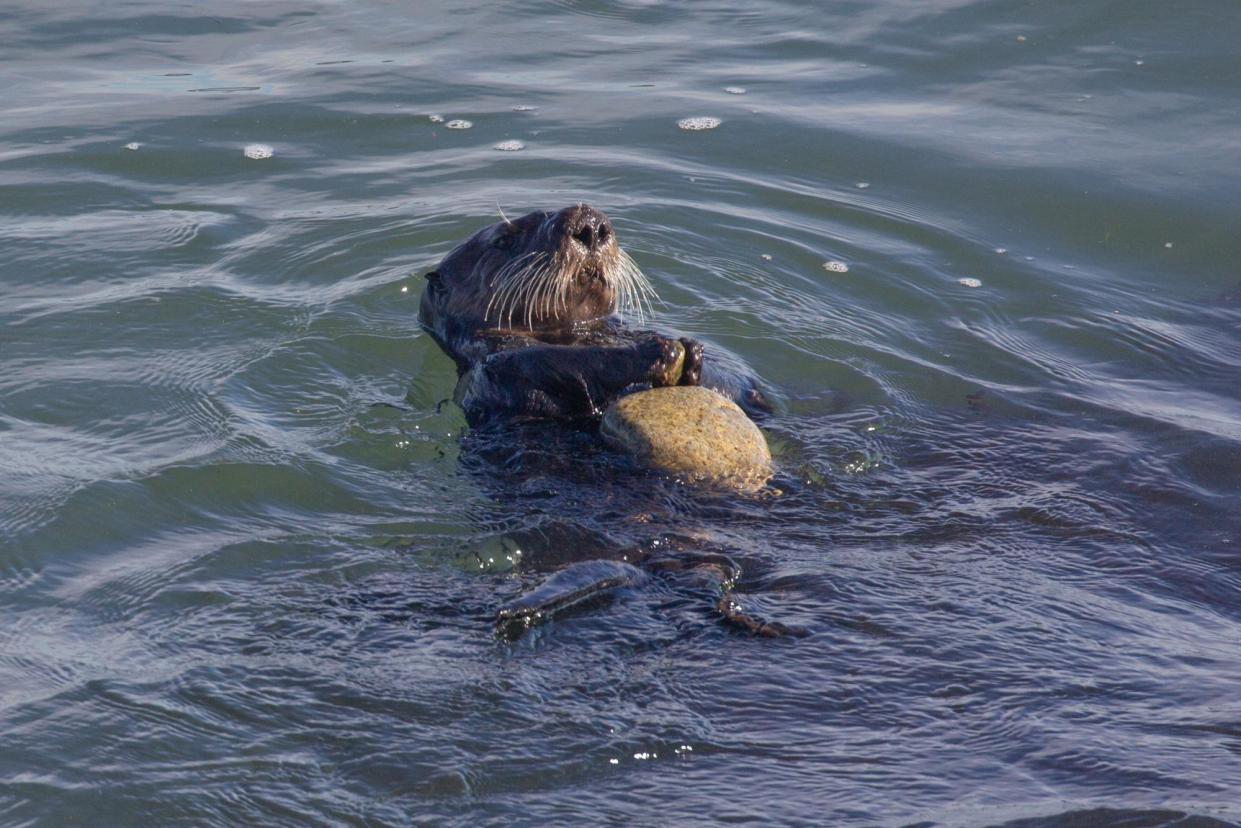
{"x": 767, "y": 257}
{"x": 436, "y": 119}
{"x": 862, "y": 185}
{"x": 1168, "y": 245}
{"x": 459, "y": 123}
{"x": 735, "y": 90}
{"x": 836, "y": 267}
{"x": 510, "y": 146}
{"x": 1021, "y": 38}
{"x": 970, "y": 282}
{"x": 404, "y": 288}
{"x": 614, "y": 761}
{"x": 133, "y": 146}
{"x": 704, "y": 122}
{"x": 524, "y": 108}
{"x": 258, "y": 151}
{"x": 1001, "y": 250}
{"x": 1138, "y": 62}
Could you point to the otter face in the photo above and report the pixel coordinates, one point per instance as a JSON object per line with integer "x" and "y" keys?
{"x": 544, "y": 270}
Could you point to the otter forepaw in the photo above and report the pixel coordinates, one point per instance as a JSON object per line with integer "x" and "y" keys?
{"x": 691, "y": 371}
{"x": 667, "y": 360}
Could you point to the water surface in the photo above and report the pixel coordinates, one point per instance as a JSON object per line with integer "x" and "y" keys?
{"x": 248, "y": 555}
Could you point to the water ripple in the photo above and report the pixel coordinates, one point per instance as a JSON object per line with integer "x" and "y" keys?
{"x": 250, "y": 554}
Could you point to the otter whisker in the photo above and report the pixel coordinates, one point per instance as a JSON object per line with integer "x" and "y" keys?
{"x": 563, "y": 283}
{"x": 639, "y": 278}
{"x": 549, "y": 298}
{"x": 537, "y": 303}
{"x": 548, "y": 284}
{"x": 525, "y": 283}
{"x": 531, "y": 296}
{"x": 509, "y": 282}
{"x": 509, "y": 306}
{"x": 623, "y": 298}
{"x": 558, "y": 283}
{"x": 542, "y": 298}
{"x": 627, "y": 298}
{"x": 562, "y": 295}
{"x": 513, "y": 288}
{"x": 506, "y": 280}
{"x": 624, "y": 288}
{"x": 506, "y": 272}
{"x": 640, "y": 286}
{"x": 526, "y": 295}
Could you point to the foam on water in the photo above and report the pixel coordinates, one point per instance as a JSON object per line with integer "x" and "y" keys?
{"x": 699, "y": 123}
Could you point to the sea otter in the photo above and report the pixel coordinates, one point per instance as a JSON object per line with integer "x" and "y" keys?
{"x": 528, "y": 310}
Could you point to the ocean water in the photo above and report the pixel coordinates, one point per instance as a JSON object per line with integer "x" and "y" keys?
{"x": 983, "y": 254}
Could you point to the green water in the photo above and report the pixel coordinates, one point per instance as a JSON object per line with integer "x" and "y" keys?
{"x": 249, "y": 559}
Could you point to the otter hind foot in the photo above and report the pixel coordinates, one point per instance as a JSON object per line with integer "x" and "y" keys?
{"x": 568, "y": 588}
{"x": 719, "y": 574}
{"x": 734, "y": 615}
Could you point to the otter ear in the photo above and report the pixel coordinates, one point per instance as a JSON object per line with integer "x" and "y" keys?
{"x": 432, "y": 276}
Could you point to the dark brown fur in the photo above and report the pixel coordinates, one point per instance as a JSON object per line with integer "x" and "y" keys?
{"x": 528, "y": 310}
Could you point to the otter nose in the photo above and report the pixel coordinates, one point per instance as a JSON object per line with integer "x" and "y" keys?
{"x": 588, "y": 225}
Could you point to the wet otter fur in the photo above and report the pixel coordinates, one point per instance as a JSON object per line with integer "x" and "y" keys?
{"x": 528, "y": 309}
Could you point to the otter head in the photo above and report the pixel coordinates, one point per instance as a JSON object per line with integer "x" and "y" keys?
{"x": 545, "y": 270}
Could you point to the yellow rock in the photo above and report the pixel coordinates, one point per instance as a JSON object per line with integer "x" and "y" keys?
{"x": 691, "y": 432}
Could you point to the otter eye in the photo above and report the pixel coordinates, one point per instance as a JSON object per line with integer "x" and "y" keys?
{"x": 504, "y": 241}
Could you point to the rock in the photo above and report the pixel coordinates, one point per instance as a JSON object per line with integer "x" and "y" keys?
{"x": 691, "y": 432}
